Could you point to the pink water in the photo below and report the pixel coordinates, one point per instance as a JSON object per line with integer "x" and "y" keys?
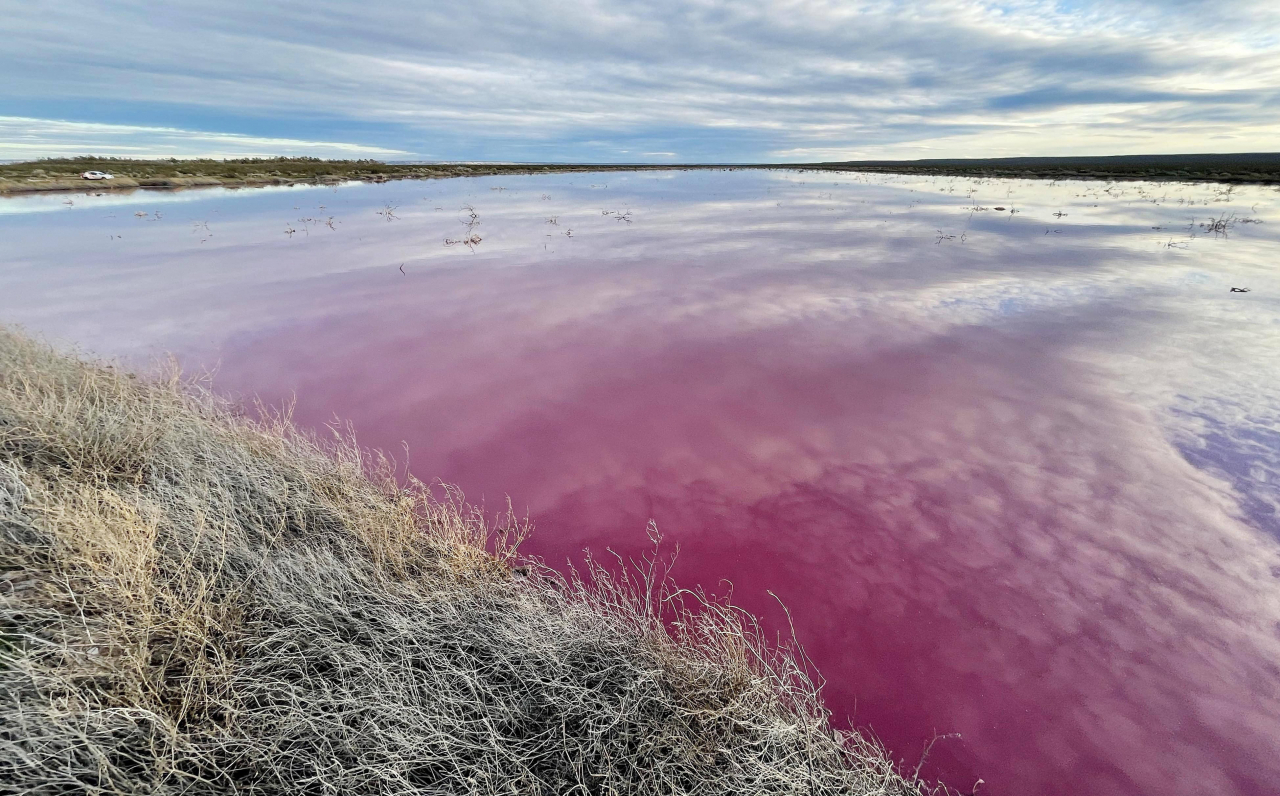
{"x": 1016, "y": 485}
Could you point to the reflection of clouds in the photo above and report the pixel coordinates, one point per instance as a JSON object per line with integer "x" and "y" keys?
{"x": 1245, "y": 450}
{"x": 55, "y": 202}
{"x": 702, "y": 244}
{"x": 970, "y": 536}
{"x": 955, "y": 462}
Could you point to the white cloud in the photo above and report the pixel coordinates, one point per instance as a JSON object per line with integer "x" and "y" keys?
{"x": 22, "y": 137}
{"x": 493, "y": 77}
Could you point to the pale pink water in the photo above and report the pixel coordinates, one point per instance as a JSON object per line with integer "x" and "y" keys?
{"x": 1016, "y": 485}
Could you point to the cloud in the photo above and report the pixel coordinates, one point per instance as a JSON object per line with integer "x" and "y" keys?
{"x": 22, "y": 137}
{"x": 709, "y": 80}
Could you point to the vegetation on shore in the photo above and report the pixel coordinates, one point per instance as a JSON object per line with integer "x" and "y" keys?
{"x": 194, "y": 601}
{"x": 1238, "y": 168}
{"x": 63, "y": 174}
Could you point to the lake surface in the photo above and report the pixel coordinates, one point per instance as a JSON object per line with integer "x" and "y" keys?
{"x": 1009, "y": 451}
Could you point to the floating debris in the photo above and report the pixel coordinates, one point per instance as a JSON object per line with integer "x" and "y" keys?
{"x": 470, "y": 242}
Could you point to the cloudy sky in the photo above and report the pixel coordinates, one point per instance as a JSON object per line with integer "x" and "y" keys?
{"x": 659, "y": 81}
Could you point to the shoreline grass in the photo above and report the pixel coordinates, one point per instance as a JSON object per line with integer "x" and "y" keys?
{"x": 194, "y": 601}
{"x": 1258, "y": 167}
{"x": 63, "y": 174}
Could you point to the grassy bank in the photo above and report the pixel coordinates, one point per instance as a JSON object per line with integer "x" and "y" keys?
{"x": 63, "y": 174}
{"x": 1235, "y": 168}
{"x": 195, "y": 602}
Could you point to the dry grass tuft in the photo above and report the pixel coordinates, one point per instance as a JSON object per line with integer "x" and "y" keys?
{"x": 192, "y": 601}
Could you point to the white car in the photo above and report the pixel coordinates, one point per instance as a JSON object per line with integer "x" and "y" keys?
{"x": 97, "y": 175}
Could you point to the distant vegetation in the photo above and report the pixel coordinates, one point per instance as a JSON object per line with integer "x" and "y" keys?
{"x": 64, "y": 173}
{"x": 61, "y": 174}
{"x": 1258, "y": 167}
{"x": 195, "y": 602}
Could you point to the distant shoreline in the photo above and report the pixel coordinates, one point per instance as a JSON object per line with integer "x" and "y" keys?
{"x": 1256, "y": 168}
{"x": 62, "y": 175}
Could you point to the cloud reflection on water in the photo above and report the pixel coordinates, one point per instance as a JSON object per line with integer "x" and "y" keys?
{"x": 958, "y": 464}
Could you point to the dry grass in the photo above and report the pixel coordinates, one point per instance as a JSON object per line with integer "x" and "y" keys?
{"x": 192, "y": 601}
{"x": 63, "y": 174}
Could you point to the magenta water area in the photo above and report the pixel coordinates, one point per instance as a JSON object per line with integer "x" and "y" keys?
{"x": 1008, "y": 451}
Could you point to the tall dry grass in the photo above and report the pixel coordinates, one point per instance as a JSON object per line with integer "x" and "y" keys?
{"x": 193, "y": 601}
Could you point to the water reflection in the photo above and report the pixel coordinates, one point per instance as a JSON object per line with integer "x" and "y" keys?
{"x": 1013, "y": 470}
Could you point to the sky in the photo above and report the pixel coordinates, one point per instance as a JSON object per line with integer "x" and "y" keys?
{"x": 604, "y": 81}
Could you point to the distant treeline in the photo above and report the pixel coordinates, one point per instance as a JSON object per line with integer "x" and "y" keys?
{"x": 55, "y": 174}
{"x": 285, "y": 167}
{"x": 1245, "y": 167}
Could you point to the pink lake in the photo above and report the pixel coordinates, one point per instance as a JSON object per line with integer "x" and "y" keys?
{"x": 1015, "y": 474}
